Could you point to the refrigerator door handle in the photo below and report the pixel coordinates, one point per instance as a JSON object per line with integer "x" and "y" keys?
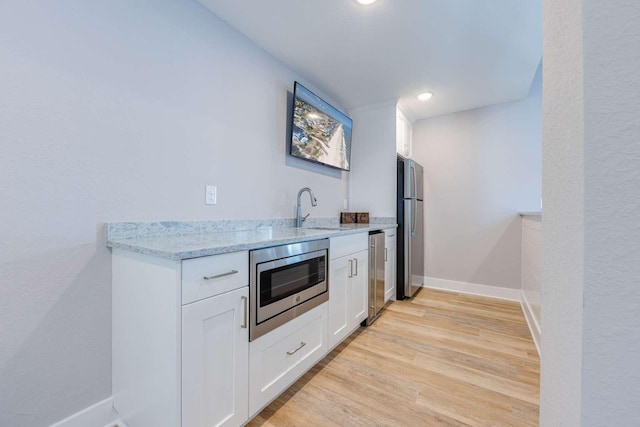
{"x": 413, "y": 217}
{"x": 414, "y": 187}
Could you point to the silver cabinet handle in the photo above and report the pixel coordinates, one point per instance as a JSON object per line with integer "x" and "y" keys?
{"x": 385, "y": 254}
{"x": 350, "y": 268}
{"x": 302, "y": 344}
{"x": 246, "y": 313}
{"x": 356, "y": 261}
{"x": 217, "y": 276}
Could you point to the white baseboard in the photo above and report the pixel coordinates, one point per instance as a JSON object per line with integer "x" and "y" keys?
{"x": 534, "y": 327}
{"x": 473, "y": 289}
{"x": 100, "y": 414}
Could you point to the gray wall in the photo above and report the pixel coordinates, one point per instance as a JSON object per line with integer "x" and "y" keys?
{"x": 373, "y": 188}
{"x": 563, "y": 222}
{"x": 111, "y": 111}
{"x": 591, "y": 239}
{"x": 482, "y": 167}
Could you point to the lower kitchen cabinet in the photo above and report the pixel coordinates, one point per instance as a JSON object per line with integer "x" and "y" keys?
{"x": 348, "y": 287}
{"x": 215, "y": 360}
{"x": 390, "y": 265}
{"x": 180, "y": 340}
{"x": 359, "y": 287}
{"x": 278, "y": 358}
{"x": 181, "y": 352}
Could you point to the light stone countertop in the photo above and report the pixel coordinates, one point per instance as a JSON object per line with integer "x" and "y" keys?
{"x": 184, "y": 246}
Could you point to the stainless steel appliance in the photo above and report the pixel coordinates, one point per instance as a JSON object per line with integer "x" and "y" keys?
{"x": 376, "y": 275}
{"x": 286, "y": 281}
{"x": 410, "y": 240}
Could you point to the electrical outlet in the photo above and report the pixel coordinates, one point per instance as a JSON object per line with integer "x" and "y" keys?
{"x": 345, "y": 204}
{"x": 211, "y": 195}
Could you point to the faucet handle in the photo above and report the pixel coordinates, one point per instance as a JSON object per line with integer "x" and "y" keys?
{"x": 305, "y": 217}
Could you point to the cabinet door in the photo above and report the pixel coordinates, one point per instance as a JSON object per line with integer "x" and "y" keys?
{"x": 339, "y": 273}
{"x": 359, "y": 287}
{"x": 390, "y": 271}
{"x": 215, "y": 361}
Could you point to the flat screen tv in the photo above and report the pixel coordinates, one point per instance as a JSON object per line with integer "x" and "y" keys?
{"x": 319, "y": 132}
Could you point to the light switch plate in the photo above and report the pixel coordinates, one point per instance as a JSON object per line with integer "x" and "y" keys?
{"x": 211, "y": 195}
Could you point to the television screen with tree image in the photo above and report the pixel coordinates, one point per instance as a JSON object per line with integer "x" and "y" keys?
{"x": 319, "y": 132}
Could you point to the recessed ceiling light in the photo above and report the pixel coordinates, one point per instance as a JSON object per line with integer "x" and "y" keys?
{"x": 425, "y": 96}
{"x": 366, "y": 2}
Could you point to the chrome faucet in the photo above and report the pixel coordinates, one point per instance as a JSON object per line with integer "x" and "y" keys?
{"x": 299, "y": 218}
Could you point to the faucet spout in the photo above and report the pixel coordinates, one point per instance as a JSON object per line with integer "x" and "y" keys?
{"x": 299, "y": 218}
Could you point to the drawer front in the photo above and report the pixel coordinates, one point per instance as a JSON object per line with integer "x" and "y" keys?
{"x": 390, "y": 236}
{"x": 213, "y": 275}
{"x": 280, "y": 357}
{"x": 347, "y": 245}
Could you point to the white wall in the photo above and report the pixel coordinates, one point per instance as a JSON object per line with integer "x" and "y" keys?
{"x": 373, "y": 180}
{"x": 111, "y": 111}
{"x": 481, "y": 168}
{"x": 591, "y": 241}
{"x": 611, "y": 340}
{"x": 562, "y": 238}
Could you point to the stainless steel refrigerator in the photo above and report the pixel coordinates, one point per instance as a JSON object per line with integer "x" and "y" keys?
{"x": 410, "y": 244}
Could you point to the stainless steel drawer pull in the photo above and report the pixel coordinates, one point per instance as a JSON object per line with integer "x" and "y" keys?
{"x": 302, "y": 344}
{"x": 217, "y": 276}
{"x": 350, "y": 268}
{"x": 246, "y": 313}
{"x": 356, "y": 261}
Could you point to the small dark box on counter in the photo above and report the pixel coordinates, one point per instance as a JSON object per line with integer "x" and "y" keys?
{"x": 362, "y": 217}
{"x": 348, "y": 218}
{"x": 354, "y": 217}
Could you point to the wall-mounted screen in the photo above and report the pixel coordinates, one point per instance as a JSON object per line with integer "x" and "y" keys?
{"x": 319, "y": 132}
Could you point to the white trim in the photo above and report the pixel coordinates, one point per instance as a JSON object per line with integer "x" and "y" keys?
{"x": 100, "y": 414}
{"x": 534, "y": 328}
{"x": 473, "y": 289}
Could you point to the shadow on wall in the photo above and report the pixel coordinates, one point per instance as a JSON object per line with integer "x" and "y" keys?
{"x": 60, "y": 351}
{"x": 504, "y": 260}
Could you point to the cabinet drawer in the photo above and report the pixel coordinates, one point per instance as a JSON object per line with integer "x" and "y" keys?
{"x": 346, "y": 245}
{"x": 213, "y": 275}
{"x": 389, "y": 236}
{"x": 280, "y": 357}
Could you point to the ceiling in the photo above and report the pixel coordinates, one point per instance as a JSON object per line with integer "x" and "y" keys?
{"x": 468, "y": 53}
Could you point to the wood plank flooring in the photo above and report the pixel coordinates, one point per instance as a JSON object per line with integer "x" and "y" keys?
{"x": 441, "y": 359}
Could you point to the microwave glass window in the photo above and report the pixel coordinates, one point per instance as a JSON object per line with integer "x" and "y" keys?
{"x": 288, "y": 280}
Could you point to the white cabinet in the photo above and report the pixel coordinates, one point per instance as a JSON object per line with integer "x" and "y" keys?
{"x": 180, "y": 340}
{"x": 339, "y": 299}
{"x": 215, "y": 350}
{"x": 390, "y": 265}
{"x": 348, "y": 285}
{"x": 280, "y": 357}
{"x": 359, "y": 285}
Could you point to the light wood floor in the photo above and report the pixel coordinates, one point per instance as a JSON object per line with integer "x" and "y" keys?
{"x": 442, "y": 359}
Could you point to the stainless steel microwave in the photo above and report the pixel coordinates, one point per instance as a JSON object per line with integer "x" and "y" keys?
{"x": 286, "y": 281}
